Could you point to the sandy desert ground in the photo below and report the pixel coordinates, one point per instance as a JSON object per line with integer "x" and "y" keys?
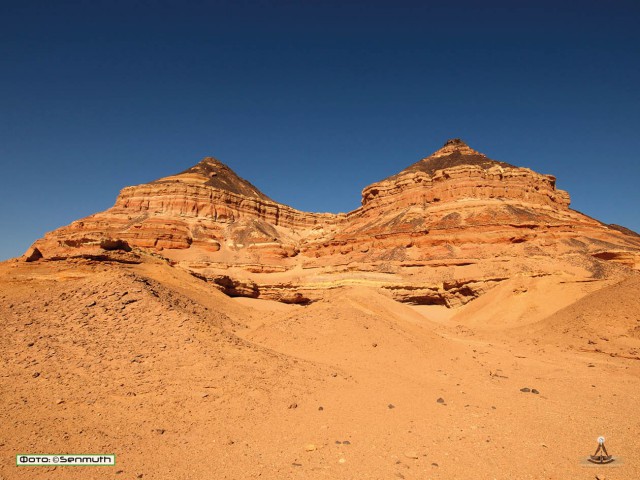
{"x": 183, "y": 382}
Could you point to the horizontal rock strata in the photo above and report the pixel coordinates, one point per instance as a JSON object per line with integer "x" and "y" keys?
{"x": 441, "y": 232}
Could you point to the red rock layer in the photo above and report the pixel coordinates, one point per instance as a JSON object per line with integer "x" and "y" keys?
{"x": 442, "y": 231}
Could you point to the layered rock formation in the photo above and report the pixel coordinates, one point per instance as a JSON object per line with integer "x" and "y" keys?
{"x": 442, "y": 231}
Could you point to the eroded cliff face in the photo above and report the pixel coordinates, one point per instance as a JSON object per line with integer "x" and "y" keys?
{"x": 442, "y": 231}
{"x": 207, "y": 207}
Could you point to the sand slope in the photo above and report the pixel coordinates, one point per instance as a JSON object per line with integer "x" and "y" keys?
{"x": 182, "y": 382}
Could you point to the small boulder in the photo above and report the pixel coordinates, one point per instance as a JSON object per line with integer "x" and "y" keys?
{"x": 33, "y": 255}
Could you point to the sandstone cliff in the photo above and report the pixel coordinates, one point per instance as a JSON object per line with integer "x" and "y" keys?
{"x": 442, "y": 231}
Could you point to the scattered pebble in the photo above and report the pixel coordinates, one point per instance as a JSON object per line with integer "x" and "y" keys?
{"x": 342, "y": 460}
{"x": 411, "y": 454}
{"x": 391, "y": 405}
{"x": 320, "y": 408}
{"x": 159, "y": 431}
{"x": 374, "y": 345}
{"x": 296, "y": 464}
{"x": 293, "y": 405}
{"x": 346, "y": 442}
{"x": 434, "y": 464}
{"x": 440, "y": 400}
{"x": 310, "y": 447}
{"x": 59, "y": 401}
{"x": 527, "y": 390}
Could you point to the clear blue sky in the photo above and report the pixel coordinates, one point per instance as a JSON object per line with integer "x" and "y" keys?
{"x": 310, "y": 100}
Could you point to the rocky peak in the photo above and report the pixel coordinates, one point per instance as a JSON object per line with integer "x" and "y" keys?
{"x": 454, "y": 153}
{"x": 455, "y": 145}
{"x": 209, "y": 161}
{"x": 457, "y": 171}
{"x": 455, "y": 141}
{"x": 213, "y": 173}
